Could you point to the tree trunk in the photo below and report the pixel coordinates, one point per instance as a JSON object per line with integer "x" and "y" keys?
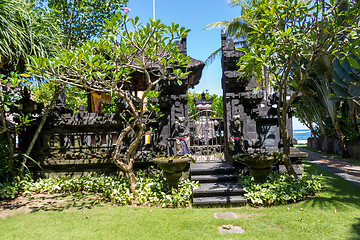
{"x": 354, "y": 116}
{"x": 8, "y": 135}
{"x": 328, "y": 148}
{"x": 38, "y": 130}
{"x": 129, "y": 172}
{"x": 286, "y": 147}
{"x": 267, "y": 83}
{"x": 127, "y": 163}
{"x": 345, "y": 152}
{"x": 132, "y": 180}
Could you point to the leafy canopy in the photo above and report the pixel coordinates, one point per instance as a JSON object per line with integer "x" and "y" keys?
{"x": 106, "y": 64}
{"x": 148, "y": 52}
{"x": 287, "y": 36}
{"x": 81, "y": 20}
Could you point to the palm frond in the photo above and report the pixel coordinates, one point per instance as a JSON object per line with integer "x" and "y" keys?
{"x": 25, "y": 30}
{"x": 234, "y": 3}
{"x": 323, "y": 89}
{"x": 236, "y": 28}
{"x": 220, "y": 24}
{"x": 212, "y": 56}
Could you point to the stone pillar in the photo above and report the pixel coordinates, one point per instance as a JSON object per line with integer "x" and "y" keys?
{"x": 173, "y": 102}
{"x": 258, "y": 114}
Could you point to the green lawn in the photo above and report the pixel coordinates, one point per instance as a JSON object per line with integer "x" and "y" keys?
{"x": 314, "y": 218}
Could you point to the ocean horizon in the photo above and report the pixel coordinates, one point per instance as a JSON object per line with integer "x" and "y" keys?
{"x": 302, "y": 134}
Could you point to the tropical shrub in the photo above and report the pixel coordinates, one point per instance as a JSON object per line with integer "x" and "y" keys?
{"x": 279, "y": 189}
{"x": 155, "y": 191}
{"x": 9, "y": 190}
{"x": 152, "y": 191}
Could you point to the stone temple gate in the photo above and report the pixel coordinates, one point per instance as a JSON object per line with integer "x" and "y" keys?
{"x": 249, "y": 115}
{"x": 82, "y": 142}
{"x": 256, "y": 113}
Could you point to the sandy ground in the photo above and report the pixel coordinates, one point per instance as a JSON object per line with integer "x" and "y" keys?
{"x": 55, "y": 202}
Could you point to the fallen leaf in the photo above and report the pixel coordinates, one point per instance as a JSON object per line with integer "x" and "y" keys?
{"x": 227, "y": 226}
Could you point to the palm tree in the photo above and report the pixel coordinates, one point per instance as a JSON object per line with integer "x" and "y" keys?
{"x": 25, "y": 30}
{"x": 235, "y": 28}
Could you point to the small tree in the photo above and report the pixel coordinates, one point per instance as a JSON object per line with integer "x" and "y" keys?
{"x": 287, "y": 36}
{"x": 108, "y": 64}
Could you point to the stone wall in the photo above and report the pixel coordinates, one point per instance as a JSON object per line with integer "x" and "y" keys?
{"x": 80, "y": 143}
{"x": 334, "y": 146}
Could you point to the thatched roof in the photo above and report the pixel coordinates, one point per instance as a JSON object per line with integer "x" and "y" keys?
{"x": 196, "y": 67}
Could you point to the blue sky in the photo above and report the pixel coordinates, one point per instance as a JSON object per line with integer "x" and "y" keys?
{"x": 194, "y": 15}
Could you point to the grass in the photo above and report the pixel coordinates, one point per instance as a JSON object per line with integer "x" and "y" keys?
{"x": 349, "y": 160}
{"x": 314, "y": 218}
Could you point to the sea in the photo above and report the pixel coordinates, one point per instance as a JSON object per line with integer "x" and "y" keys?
{"x": 301, "y": 135}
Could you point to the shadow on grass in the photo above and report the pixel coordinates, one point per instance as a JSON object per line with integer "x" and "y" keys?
{"x": 337, "y": 191}
{"x": 78, "y": 203}
{"x": 337, "y": 194}
{"x": 356, "y": 230}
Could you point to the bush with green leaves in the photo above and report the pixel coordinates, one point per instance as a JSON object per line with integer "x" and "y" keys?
{"x": 9, "y": 190}
{"x": 279, "y": 189}
{"x": 153, "y": 191}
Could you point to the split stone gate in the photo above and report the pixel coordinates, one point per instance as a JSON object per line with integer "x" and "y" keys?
{"x": 82, "y": 142}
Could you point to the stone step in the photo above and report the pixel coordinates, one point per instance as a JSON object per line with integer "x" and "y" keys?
{"x": 219, "y": 200}
{"x": 211, "y": 168}
{"x": 214, "y": 178}
{"x": 218, "y": 184}
{"x": 218, "y": 189}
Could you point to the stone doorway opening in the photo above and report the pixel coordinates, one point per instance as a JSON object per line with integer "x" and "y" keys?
{"x": 206, "y": 132}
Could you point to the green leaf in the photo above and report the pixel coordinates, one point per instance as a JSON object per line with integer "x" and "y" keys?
{"x": 340, "y": 91}
{"x": 6, "y": 108}
{"x": 25, "y": 75}
{"x": 339, "y": 69}
{"x": 354, "y": 91}
{"x": 288, "y": 31}
{"x": 294, "y": 84}
{"x": 353, "y": 62}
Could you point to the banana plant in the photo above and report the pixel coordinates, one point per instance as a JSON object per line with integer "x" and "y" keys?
{"x": 346, "y": 84}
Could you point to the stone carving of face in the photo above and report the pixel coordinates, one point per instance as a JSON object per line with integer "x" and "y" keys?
{"x": 181, "y": 127}
{"x": 181, "y": 119}
{"x": 236, "y": 126}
